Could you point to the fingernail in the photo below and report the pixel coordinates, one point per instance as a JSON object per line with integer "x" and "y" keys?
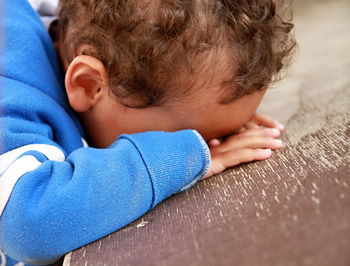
{"x": 278, "y": 142}
{"x": 280, "y": 126}
{"x": 266, "y": 152}
{"x": 275, "y": 132}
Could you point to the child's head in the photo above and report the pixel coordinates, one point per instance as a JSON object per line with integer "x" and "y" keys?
{"x": 169, "y": 64}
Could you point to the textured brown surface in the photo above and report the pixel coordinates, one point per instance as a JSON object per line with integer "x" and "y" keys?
{"x": 293, "y": 209}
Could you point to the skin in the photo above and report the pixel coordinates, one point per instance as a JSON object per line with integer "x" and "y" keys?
{"x": 248, "y": 136}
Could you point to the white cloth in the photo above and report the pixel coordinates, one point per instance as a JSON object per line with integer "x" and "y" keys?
{"x": 46, "y": 10}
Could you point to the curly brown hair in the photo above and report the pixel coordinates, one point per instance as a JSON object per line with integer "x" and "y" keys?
{"x": 160, "y": 49}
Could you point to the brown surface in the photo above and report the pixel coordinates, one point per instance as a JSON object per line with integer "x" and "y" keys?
{"x": 293, "y": 209}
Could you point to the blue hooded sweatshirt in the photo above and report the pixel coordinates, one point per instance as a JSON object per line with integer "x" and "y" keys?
{"x": 57, "y": 194}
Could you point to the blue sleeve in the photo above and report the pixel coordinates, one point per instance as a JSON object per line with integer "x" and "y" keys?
{"x": 55, "y": 194}
{"x": 65, "y": 203}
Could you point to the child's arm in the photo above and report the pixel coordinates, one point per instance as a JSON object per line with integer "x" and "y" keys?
{"x": 60, "y": 204}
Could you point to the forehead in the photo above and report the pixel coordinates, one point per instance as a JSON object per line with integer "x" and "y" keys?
{"x": 213, "y": 119}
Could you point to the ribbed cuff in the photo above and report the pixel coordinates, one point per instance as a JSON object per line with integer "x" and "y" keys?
{"x": 207, "y": 162}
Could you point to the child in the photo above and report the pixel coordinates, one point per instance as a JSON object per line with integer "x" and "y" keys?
{"x": 147, "y": 84}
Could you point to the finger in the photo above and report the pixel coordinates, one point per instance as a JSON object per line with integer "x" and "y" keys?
{"x": 251, "y": 142}
{"x": 236, "y": 157}
{"x": 266, "y": 121}
{"x": 251, "y": 125}
{"x": 262, "y": 131}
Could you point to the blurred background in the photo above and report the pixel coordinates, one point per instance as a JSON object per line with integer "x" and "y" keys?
{"x": 320, "y": 71}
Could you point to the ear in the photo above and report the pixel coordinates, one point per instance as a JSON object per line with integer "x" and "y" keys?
{"x": 86, "y": 77}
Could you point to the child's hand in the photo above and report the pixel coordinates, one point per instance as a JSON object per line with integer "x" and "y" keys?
{"x": 255, "y": 141}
